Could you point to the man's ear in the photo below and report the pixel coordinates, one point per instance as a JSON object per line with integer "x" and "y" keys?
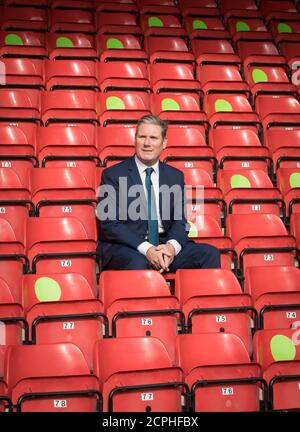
{"x": 165, "y": 142}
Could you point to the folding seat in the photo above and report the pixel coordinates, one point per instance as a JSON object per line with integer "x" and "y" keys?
{"x": 18, "y": 140}
{"x": 160, "y": 17}
{"x": 20, "y": 105}
{"x": 175, "y": 102}
{"x": 64, "y": 192}
{"x": 198, "y": 7}
{"x": 211, "y": 42}
{"x": 69, "y": 107}
{"x": 125, "y": 75}
{"x": 289, "y": 185}
{"x": 212, "y": 301}
{"x": 276, "y": 295}
{"x": 109, "y": 22}
{"x": 50, "y": 378}
{"x": 25, "y": 18}
{"x": 187, "y": 148}
{"x": 113, "y": 47}
{"x": 70, "y": 4}
{"x": 239, "y": 147}
{"x": 276, "y": 101}
{"x": 265, "y": 69}
{"x": 206, "y": 228}
{"x": 13, "y": 261}
{"x": 172, "y": 76}
{"x": 250, "y": 191}
{"x": 260, "y": 240}
{"x": 244, "y": 5}
{"x": 221, "y": 100}
{"x": 247, "y": 21}
{"x": 13, "y": 323}
{"x": 122, "y": 106}
{"x": 161, "y": 48}
{"x": 61, "y": 244}
{"x": 21, "y": 43}
{"x": 267, "y": 7}
{"x": 295, "y": 227}
{"x": 115, "y": 143}
{"x": 145, "y": 379}
{"x": 141, "y": 306}
{"x": 23, "y": 73}
{"x": 67, "y": 146}
{"x": 218, "y": 67}
{"x": 277, "y": 351}
{"x": 195, "y": 23}
{"x": 14, "y": 176}
{"x": 282, "y": 137}
{"x": 116, "y": 6}
{"x": 285, "y": 24}
{"x": 73, "y": 21}
{"x": 78, "y": 46}
{"x": 63, "y": 308}
{"x": 254, "y": 43}
{"x": 221, "y": 377}
{"x": 71, "y": 74}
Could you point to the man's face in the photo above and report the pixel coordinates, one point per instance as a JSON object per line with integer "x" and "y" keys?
{"x": 149, "y": 143}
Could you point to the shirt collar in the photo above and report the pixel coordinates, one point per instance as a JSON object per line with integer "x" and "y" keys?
{"x": 141, "y": 166}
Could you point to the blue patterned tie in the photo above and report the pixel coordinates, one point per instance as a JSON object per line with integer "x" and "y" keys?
{"x": 153, "y": 237}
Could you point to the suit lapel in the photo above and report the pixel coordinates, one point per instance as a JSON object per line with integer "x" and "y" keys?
{"x": 134, "y": 178}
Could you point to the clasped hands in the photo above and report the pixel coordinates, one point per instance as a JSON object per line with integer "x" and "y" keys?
{"x": 161, "y": 256}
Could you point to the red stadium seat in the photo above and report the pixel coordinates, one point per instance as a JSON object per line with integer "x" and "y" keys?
{"x": 71, "y": 74}
{"x": 22, "y": 43}
{"x": 64, "y": 21}
{"x": 117, "y": 46}
{"x": 23, "y": 73}
{"x": 63, "y": 308}
{"x": 68, "y": 146}
{"x": 20, "y": 105}
{"x": 18, "y": 139}
{"x": 115, "y": 143}
{"x": 175, "y": 102}
{"x": 109, "y": 20}
{"x": 50, "y": 377}
{"x": 61, "y": 244}
{"x": 162, "y": 48}
{"x": 276, "y": 295}
{"x": 250, "y": 191}
{"x": 169, "y": 76}
{"x": 221, "y": 377}
{"x": 260, "y": 240}
{"x": 277, "y": 351}
{"x": 212, "y": 301}
{"x": 143, "y": 380}
{"x": 142, "y": 306}
{"x": 78, "y": 46}
{"x": 127, "y": 75}
{"x": 69, "y": 107}
{"x": 14, "y": 18}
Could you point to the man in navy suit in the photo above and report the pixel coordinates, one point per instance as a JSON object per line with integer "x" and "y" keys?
{"x": 134, "y": 236}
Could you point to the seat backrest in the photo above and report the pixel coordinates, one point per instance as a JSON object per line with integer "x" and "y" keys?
{"x": 142, "y": 353}
{"x": 207, "y": 349}
{"x": 45, "y": 360}
{"x": 205, "y": 282}
{"x": 135, "y": 284}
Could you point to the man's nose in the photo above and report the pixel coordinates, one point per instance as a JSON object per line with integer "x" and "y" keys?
{"x": 147, "y": 141}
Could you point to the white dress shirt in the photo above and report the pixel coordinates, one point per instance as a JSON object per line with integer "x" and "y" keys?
{"x": 143, "y": 247}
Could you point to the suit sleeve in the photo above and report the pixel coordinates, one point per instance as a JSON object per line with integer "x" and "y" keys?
{"x": 112, "y": 229}
{"x": 177, "y": 230}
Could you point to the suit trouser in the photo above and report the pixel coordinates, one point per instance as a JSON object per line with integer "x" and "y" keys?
{"x": 192, "y": 256}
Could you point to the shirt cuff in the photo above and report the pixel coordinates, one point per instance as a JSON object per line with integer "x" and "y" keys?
{"x": 176, "y": 245}
{"x": 144, "y": 247}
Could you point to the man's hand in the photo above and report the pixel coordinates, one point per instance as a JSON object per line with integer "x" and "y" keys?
{"x": 156, "y": 257}
{"x": 168, "y": 252}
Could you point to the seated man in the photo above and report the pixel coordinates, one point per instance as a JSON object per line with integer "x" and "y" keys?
{"x": 141, "y": 211}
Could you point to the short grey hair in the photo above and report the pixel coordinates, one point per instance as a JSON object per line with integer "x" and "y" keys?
{"x": 153, "y": 119}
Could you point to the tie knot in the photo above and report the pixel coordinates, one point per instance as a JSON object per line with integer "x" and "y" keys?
{"x": 149, "y": 171}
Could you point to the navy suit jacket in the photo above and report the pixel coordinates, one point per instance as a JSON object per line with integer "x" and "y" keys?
{"x": 122, "y": 229}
